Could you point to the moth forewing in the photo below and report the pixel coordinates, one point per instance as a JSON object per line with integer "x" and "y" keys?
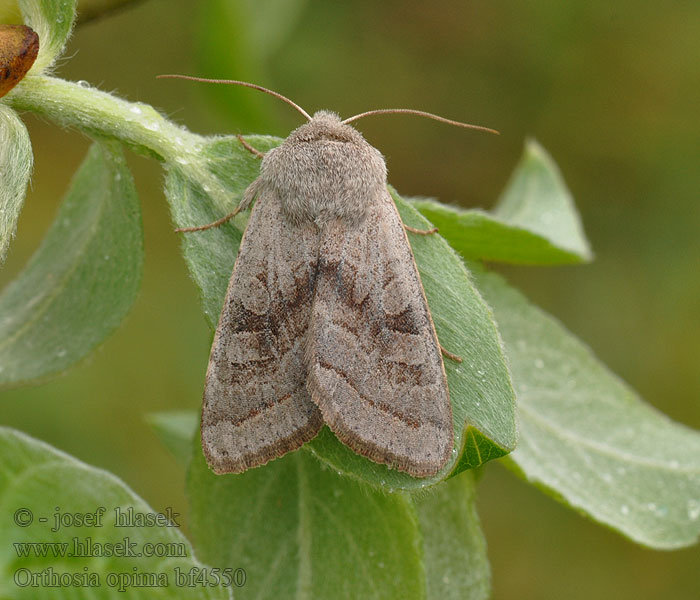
{"x": 375, "y": 367}
{"x": 325, "y": 309}
{"x": 255, "y": 406}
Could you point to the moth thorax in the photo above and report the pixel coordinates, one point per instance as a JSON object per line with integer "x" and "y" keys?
{"x": 325, "y": 170}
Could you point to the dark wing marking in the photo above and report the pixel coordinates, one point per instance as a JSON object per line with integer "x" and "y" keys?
{"x": 256, "y": 406}
{"x": 375, "y": 367}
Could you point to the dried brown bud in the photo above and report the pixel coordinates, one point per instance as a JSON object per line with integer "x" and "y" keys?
{"x": 19, "y": 46}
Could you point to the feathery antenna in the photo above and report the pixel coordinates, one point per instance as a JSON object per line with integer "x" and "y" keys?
{"x": 243, "y": 83}
{"x": 420, "y": 113}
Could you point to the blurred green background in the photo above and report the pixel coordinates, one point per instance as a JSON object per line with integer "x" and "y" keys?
{"x": 610, "y": 89}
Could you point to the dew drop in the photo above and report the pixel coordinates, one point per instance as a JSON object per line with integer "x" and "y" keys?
{"x": 693, "y": 509}
{"x": 606, "y": 477}
{"x": 624, "y": 509}
{"x": 61, "y": 353}
{"x": 136, "y": 110}
{"x": 380, "y": 565}
{"x": 83, "y": 84}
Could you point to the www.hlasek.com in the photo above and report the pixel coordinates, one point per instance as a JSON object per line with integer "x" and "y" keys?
{"x": 127, "y": 547}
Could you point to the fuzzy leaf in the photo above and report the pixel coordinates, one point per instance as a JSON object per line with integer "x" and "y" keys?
{"x": 53, "y": 21}
{"x": 454, "y": 548}
{"x": 479, "y": 235}
{"x": 16, "y": 161}
{"x": 301, "y": 531}
{"x": 587, "y": 438}
{"x": 537, "y": 199}
{"x": 535, "y": 222}
{"x": 35, "y": 479}
{"x": 82, "y": 280}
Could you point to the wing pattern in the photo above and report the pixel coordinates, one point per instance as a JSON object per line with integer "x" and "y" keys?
{"x": 256, "y": 406}
{"x": 374, "y": 364}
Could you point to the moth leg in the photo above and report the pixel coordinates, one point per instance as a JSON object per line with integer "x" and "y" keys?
{"x": 421, "y": 231}
{"x": 248, "y": 147}
{"x": 216, "y": 223}
{"x": 449, "y": 354}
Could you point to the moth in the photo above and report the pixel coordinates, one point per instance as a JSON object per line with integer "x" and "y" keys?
{"x": 325, "y": 319}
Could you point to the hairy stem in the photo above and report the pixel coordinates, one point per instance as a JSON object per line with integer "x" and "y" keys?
{"x": 100, "y": 114}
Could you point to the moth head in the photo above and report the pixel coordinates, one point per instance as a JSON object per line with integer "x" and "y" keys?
{"x": 324, "y": 171}
{"x": 326, "y": 126}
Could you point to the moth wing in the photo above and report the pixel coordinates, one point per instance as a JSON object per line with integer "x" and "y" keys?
{"x": 375, "y": 365}
{"x": 256, "y": 406}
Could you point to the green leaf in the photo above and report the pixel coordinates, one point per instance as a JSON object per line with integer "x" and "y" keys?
{"x": 35, "y": 481}
{"x": 537, "y": 199}
{"x": 587, "y": 438}
{"x": 82, "y": 280}
{"x": 478, "y": 235}
{"x": 454, "y": 547}
{"x": 481, "y": 393}
{"x": 16, "y": 160}
{"x": 175, "y": 429}
{"x": 535, "y": 221}
{"x": 301, "y": 531}
{"x": 53, "y": 21}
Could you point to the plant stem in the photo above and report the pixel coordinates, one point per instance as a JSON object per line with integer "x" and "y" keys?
{"x": 102, "y": 115}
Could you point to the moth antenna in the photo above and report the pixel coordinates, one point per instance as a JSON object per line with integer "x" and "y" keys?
{"x": 420, "y": 113}
{"x": 243, "y": 83}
